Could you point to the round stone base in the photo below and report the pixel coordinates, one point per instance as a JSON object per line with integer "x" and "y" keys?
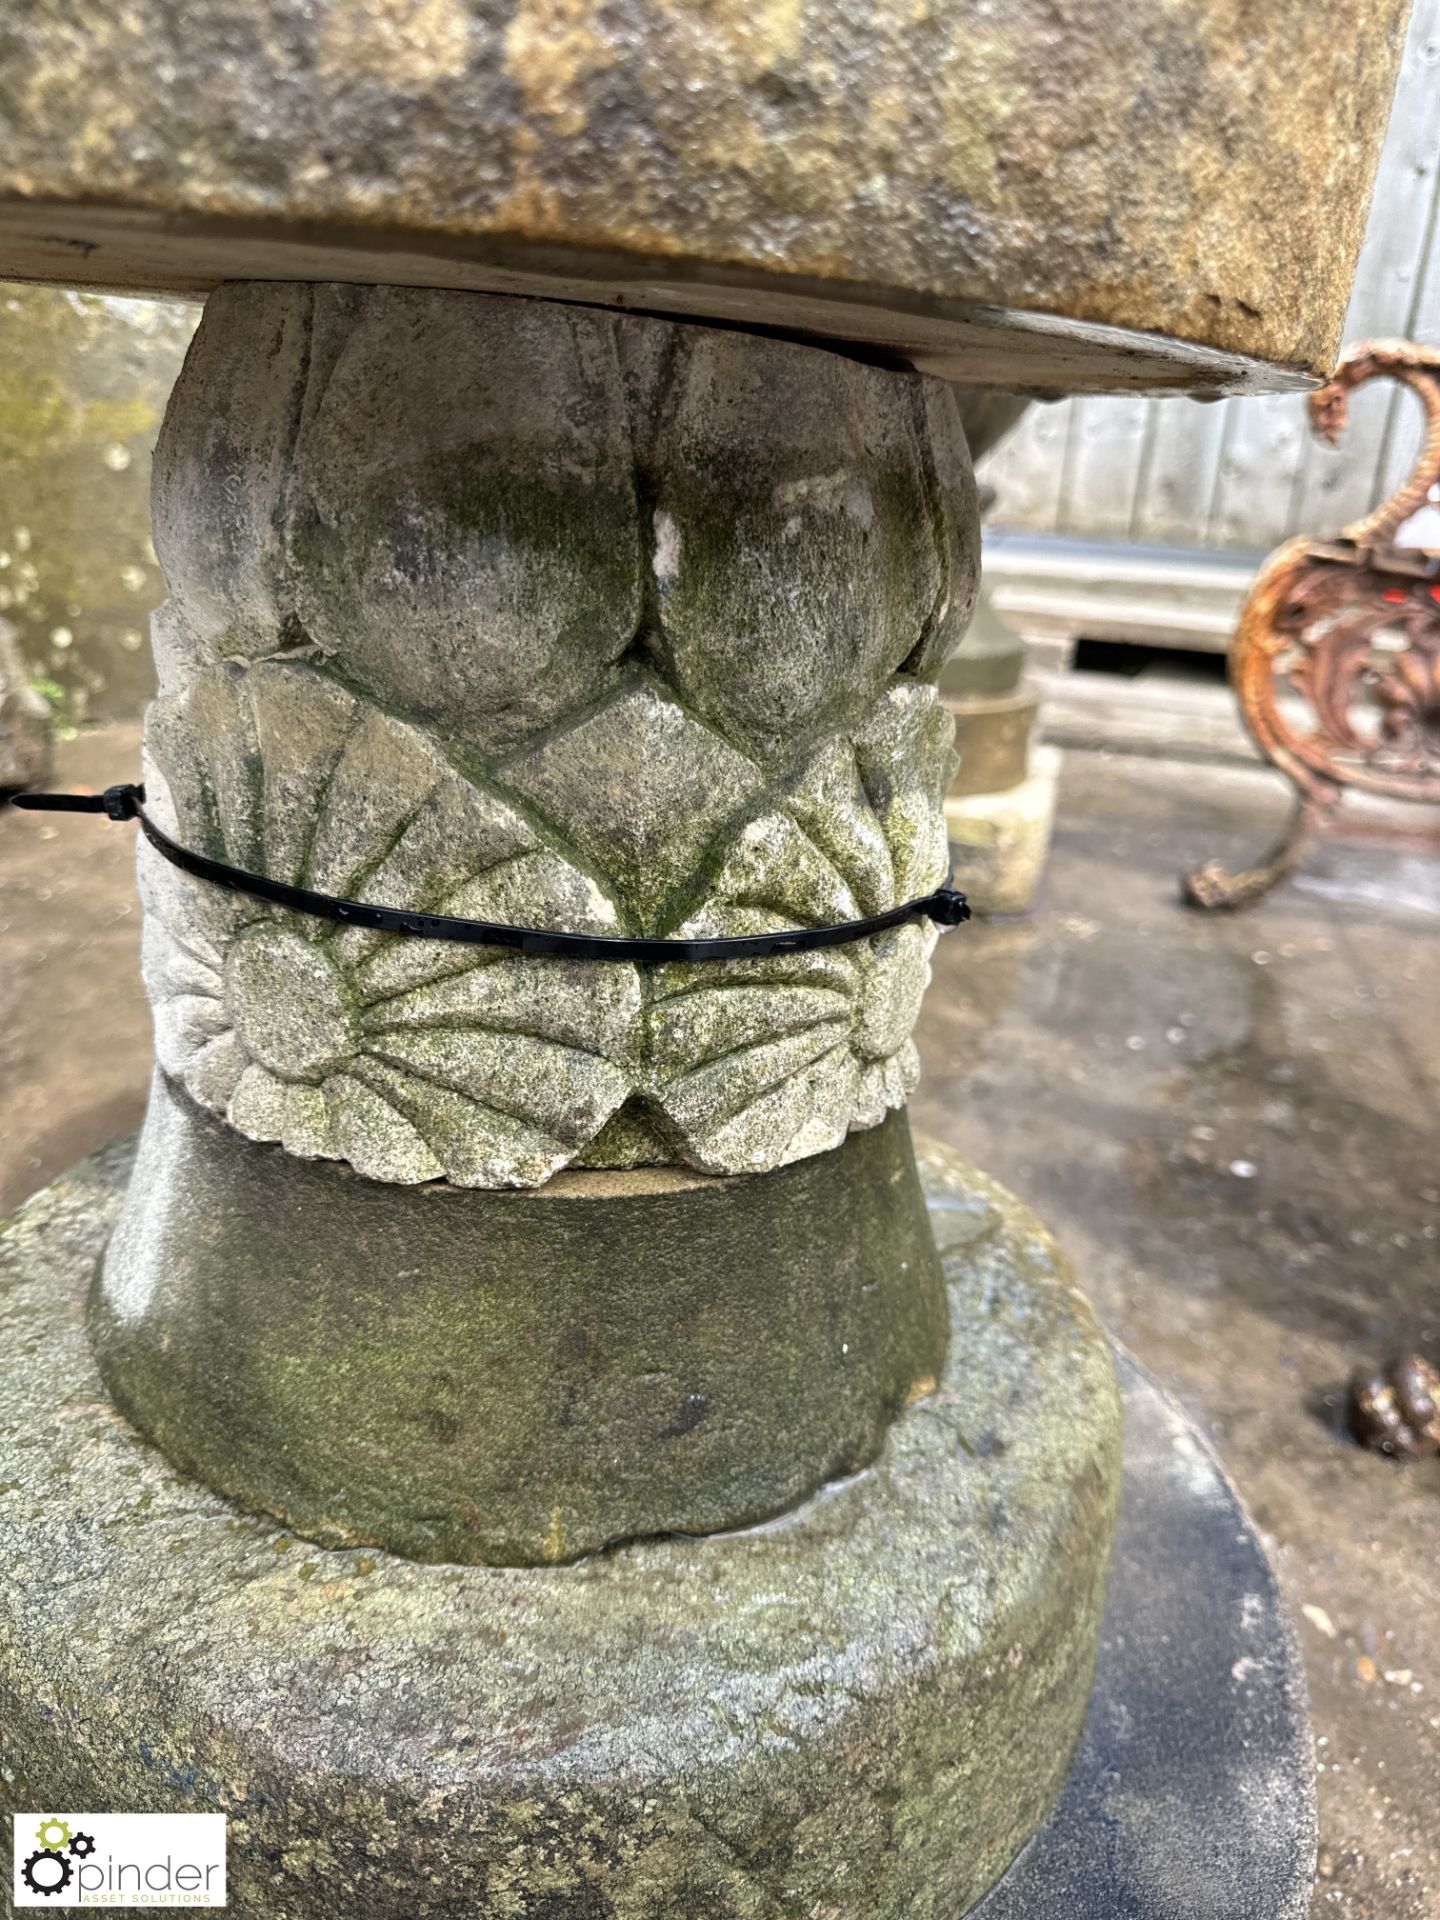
{"x": 860, "y": 1710}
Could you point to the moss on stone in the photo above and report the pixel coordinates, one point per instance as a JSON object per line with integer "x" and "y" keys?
{"x": 469, "y": 1376}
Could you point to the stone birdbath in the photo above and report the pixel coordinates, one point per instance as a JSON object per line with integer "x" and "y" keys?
{"x": 525, "y": 1437}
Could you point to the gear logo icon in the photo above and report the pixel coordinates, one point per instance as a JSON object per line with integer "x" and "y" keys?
{"x": 53, "y": 1834}
{"x": 47, "y": 1871}
{"x": 82, "y": 1846}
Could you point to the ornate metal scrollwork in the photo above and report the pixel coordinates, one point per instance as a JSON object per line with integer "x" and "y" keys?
{"x": 1336, "y": 658}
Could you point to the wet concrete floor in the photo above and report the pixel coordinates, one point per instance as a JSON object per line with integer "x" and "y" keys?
{"x": 1230, "y": 1122}
{"x": 75, "y": 1046}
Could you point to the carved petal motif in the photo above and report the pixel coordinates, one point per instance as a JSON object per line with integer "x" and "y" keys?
{"x": 758, "y": 1064}
{"x": 415, "y": 1060}
{"x": 412, "y": 1060}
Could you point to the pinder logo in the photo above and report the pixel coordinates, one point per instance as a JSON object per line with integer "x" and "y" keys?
{"x": 119, "y": 1860}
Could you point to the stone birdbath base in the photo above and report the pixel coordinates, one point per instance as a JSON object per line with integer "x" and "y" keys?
{"x": 657, "y": 1729}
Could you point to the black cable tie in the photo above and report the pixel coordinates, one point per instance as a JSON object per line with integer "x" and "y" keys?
{"x": 118, "y": 803}
{"x": 947, "y": 907}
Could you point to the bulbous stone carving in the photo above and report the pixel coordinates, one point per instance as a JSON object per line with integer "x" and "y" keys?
{"x": 535, "y": 614}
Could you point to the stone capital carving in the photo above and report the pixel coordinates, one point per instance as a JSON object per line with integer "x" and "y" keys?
{"x": 536, "y": 614}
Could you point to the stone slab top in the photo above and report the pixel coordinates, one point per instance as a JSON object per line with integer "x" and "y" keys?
{"x": 1164, "y": 195}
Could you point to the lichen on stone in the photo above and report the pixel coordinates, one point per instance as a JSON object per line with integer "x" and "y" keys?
{"x": 862, "y": 1709}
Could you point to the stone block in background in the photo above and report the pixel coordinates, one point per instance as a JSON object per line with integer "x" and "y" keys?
{"x": 83, "y": 384}
{"x": 992, "y": 738}
{"x": 999, "y": 841}
{"x": 24, "y": 720}
{"x": 1001, "y": 803}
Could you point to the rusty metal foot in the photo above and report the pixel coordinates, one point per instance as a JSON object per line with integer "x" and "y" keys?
{"x": 1213, "y": 887}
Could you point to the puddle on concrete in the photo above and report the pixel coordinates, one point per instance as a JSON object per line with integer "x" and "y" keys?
{"x": 1403, "y": 883}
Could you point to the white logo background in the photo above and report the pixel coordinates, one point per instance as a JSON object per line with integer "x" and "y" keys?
{"x": 138, "y": 1859}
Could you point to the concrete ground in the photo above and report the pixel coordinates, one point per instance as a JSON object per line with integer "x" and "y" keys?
{"x": 74, "y": 1029}
{"x": 1230, "y": 1122}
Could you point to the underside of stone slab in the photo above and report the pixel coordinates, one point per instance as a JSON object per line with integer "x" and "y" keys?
{"x": 1165, "y": 195}
{"x": 862, "y": 1709}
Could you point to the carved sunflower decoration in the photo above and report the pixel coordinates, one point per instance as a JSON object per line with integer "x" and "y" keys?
{"x": 804, "y": 1047}
{"x": 416, "y": 1060}
{"x": 410, "y": 1059}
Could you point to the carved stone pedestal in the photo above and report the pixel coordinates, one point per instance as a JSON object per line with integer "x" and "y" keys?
{"x": 507, "y": 610}
{"x": 501, "y": 1262}
{"x": 860, "y": 1709}
{"x": 866, "y": 1706}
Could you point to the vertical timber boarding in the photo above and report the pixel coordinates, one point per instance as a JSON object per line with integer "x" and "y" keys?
{"x": 1243, "y": 475}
